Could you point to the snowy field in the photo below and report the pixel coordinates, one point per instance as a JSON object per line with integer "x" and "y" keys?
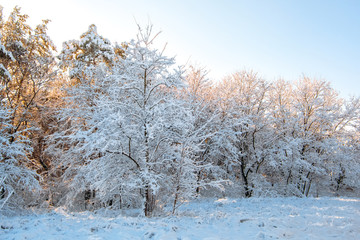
{"x": 256, "y": 218}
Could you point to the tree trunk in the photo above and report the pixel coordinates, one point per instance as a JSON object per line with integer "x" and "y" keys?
{"x": 244, "y": 176}
{"x": 149, "y": 202}
{"x": 176, "y": 199}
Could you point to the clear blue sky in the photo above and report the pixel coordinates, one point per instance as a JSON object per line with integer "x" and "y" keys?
{"x": 288, "y": 38}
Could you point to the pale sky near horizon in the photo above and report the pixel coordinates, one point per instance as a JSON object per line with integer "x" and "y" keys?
{"x": 278, "y": 38}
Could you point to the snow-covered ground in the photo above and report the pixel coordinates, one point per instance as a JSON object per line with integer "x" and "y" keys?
{"x": 255, "y": 218}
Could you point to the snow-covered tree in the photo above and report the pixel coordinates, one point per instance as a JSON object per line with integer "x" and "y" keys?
{"x": 342, "y": 163}
{"x": 311, "y": 124}
{"x": 243, "y": 141}
{"x": 29, "y": 71}
{"x": 16, "y": 180}
{"x": 316, "y": 107}
{"x": 80, "y": 57}
{"x": 134, "y": 137}
{"x": 193, "y": 167}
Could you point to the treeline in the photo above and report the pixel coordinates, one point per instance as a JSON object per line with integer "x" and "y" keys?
{"x": 103, "y": 124}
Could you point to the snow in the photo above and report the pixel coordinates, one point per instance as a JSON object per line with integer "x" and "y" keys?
{"x": 254, "y": 218}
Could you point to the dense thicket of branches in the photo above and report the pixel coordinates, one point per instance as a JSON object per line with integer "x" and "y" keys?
{"x": 118, "y": 125}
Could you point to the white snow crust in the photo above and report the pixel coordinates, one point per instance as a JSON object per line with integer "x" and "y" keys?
{"x": 255, "y": 218}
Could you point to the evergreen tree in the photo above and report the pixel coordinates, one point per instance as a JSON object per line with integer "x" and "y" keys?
{"x": 26, "y": 68}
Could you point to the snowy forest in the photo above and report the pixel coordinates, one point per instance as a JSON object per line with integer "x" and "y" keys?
{"x": 99, "y": 124}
